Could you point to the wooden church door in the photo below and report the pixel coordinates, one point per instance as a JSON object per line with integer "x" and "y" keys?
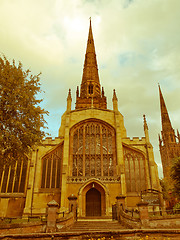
{"x": 93, "y": 202}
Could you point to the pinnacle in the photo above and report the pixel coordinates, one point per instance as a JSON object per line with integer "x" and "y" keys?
{"x": 114, "y": 95}
{"x": 145, "y": 122}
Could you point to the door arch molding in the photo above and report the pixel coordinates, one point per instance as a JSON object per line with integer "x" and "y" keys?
{"x": 93, "y": 183}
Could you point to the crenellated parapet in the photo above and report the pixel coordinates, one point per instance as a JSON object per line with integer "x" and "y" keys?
{"x": 52, "y": 141}
{"x": 134, "y": 140}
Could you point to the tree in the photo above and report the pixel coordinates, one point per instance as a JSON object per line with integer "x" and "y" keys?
{"x": 175, "y": 175}
{"x": 21, "y": 118}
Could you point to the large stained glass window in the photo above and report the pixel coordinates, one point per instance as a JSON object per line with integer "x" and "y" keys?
{"x": 93, "y": 149}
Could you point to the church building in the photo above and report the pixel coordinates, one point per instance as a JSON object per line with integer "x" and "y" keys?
{"x": 92, "y": 158}
{"x": 169, "y": 142}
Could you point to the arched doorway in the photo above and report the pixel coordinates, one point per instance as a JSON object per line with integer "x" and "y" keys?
{"x": 93, "y": 202}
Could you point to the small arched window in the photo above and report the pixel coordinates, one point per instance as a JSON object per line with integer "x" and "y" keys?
{"x": 90, "y": 89}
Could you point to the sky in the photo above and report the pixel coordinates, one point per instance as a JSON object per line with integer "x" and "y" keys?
{"x": 137, "y": 46}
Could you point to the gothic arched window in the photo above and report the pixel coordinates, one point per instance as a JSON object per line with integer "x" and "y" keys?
{"x": 51, "y": 168}
{"x": 93, "y": 149}
{"x": 13, "y": 178}
{"x": 134, "y": 170}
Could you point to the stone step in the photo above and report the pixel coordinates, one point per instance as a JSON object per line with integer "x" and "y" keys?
{"x": 86, "y": 226}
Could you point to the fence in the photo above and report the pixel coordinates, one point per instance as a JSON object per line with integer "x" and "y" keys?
{"x": 23, "y": 219}
{"x": 164, "y": 213}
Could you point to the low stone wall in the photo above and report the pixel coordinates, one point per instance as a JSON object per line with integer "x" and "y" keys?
{"x": 146, "y": 221}
{"x": 165, "y": 222}
{"x": 65, "y": 223}
{"x": 129, "y": 221}
{"x": 35, "y": 227}
{"x": 22, "y": 228}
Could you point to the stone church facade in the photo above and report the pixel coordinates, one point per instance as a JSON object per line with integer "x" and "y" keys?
{"x": 92, "y": 158}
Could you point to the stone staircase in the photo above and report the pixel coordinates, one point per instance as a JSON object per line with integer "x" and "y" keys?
{"x": 87, "y": 226}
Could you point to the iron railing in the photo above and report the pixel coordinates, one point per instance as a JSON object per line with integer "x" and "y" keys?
{"x": 23, "y": 219}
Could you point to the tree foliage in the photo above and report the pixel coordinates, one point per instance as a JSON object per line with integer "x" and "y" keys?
{"x": 175, "y": 175}
{"x": 21, "y": 118}
{"x": 167, "y": 188}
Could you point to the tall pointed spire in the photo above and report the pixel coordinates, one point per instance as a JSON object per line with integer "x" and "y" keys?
{"x": 168, "y": 146}
{"x": 90, "y": 43}
{"x": 90, "y": 85}
{"x": 166, "y": 123}
{"x": 90, "y": 71}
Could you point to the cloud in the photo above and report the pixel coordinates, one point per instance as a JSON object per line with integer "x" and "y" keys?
{"x": 137, "y": 47}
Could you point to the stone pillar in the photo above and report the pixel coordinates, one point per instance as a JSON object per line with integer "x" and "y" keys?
{"x": 143, "y": 214}
{"x": 73, "y": 204}
{"x": 120, "y": 205}
{"x": 51, "y": 216}
{"x": 121, "y": 200}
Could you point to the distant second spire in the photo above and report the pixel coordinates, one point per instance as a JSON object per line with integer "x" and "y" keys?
{"x": 166, "y": 123}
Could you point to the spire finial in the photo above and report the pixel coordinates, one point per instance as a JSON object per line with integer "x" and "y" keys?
{"x": 145, "y": 123}
{"x": 146, "y": 129}
{"x": 115, "y": 101}
{"x": 114, "y": 95}
{"x": 69, "y": 94}
{"x": 69, "y": 101}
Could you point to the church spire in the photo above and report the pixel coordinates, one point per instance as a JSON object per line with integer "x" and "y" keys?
{"x": 90, "y": 85}
{"x": 90, "y": 43}
{"x": 168, "y": 146}
{"x": 166, "y": 123}
{"x": 90, "y": 71}
{"x": 168, "y": 134}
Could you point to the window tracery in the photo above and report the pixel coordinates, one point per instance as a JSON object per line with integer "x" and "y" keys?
{"x": 93, "y": 149}
{"x": 13, "y": 178}
{"x": 134, "y": 170}
{"x": 51, "y": 168}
